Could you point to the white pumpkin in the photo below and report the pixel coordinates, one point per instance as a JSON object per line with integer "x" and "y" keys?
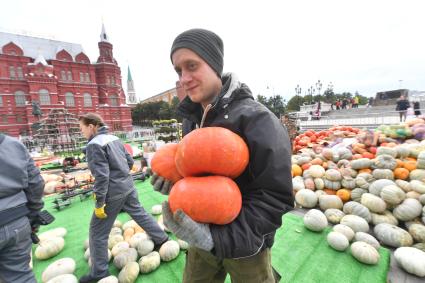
{"x": 109, "y": 279}
{"x": 117, "y": 223}
{"x": 392, "y": 235}
{"x": 373, "y": 203}
{"x": 412, "y": 260}
{"x": 367, "y": 238}
{"x": 145, "y": 247}
{"x": 306, "y": 198}
{"x": 337, "y": 241}
{"x": 61, "y": 266}
{"x": 89, "y": 259}
{"x": 418, "y": 232}
{"x": 64, "y": 278}
{"x": 119, "y": 247}
{"x": 334, "y": 215}
{"x": 183, "y": 244}
{"x": 330, "y": 201}
{"x": 114, "y": 239}
{"x": 386, "y": 217}
{"x": 358, "y": 209}
{"x": 409, "y": 209}
{"x": 169, "y": 250}
{"x": 364, "y": 253}
{"x": 392, "y": 194}
{"x": 356, "y": 194}
{"x": 86, "y": 244}
{"x": 129, "y": 224}
{"x": 150, "y": 262}
{"x": 124, "y": 257}
{"x": 137, "y": 238}
{"x": 319, "y": 183}
{"x": 129, "y": 273}
{"x": 345, "y": 230}
{"x": 315, "y": 220}
{"x": 417, "y": 186}
{"x": 355, "y": 222}
{"x": 57, "y": 232}
{"x": 157, "y": 209}
{"x": 404, "y": 185}
{"x": 115, "y": 231}
{"x": 49, "y": 248}
{"x": 377, "y": 186}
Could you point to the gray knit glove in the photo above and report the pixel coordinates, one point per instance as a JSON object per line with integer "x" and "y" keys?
{"x": 160, "y": 184}
{"x": 195, "y": 234}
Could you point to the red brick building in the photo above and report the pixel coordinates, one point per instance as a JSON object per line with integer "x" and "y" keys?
{"x": 58, "y": 74}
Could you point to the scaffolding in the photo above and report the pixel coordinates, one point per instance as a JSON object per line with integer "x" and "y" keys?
{"x": 59, "y": 132}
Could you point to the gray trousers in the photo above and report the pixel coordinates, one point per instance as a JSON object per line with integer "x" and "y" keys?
{"x": 15, "y": 250}
{"x": 100, "y": 229}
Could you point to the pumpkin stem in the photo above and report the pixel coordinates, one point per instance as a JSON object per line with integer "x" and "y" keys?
{"x": 205, "y": 114}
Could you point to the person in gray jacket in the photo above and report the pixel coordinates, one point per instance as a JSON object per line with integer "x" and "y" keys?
{"x": 114, "y": 191}
{"x": 21, "y": 192}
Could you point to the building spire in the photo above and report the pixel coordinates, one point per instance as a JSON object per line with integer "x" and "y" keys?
{"x": 129, "y": 78}
{"x": 131, "y": 92}
{"x": 103, "y": 35}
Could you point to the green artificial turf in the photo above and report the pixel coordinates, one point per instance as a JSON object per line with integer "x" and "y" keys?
{"x": 298, "y": 254}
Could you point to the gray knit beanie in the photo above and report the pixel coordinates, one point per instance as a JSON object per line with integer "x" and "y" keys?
{"x": 205, "y": 43}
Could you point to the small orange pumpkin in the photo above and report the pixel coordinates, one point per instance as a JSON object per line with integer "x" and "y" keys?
{"x": 163, "y": 162}
{"x": 296, "y": 170}
{"x": 410, "y": 165}
{"x": 401, "y": 173}
{"x": 305, "y": 166}
{"x": 316, "y": 161}
{"x": 330, "y": 192}
{"x": 400, "y": 163}
{"x": 365, "y": 170}
{"x": 368, "y": 155}
{"x": 344, "y": 194}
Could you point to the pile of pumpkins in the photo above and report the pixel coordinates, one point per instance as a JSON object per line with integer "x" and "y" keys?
{"x": 386, "y": 191}
{"x": 202, "y": 167}
{"x": 132, "y": 252}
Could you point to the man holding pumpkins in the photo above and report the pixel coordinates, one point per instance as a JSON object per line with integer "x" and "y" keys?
{"x": 213, "y": 99}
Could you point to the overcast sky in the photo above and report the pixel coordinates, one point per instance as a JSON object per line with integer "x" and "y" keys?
{"x": 364, "y": 46}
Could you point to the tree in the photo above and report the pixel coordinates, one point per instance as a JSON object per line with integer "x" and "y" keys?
{"x": 262, "y": 99}
{"x": 294, "y": 103}
{"x": 277, "y": 105}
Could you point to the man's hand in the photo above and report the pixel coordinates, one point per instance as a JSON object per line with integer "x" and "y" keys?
{"x": 195, "y": 234}
{"x": 160, "y": 184}
{"x": 100, "y": 212}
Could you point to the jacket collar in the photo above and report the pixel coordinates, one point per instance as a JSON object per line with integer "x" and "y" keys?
{"x": 101, "y": 131}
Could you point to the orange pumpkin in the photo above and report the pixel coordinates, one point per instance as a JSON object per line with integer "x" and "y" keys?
{"x": 357, "y": 156}
{"x": 368, "y": 155}
{"x": 330, "y": 192}
{"x": 401, "y": 173}
{"x": 410, "y": 165}
{"x": 344, "y": 194}
{"x": 365, "y": 170}
{"x": 400, "y": 163}
{"x": 211, "y": 199}
{"x": 325, "y": 165}
{"x": 212, "y": 151}
{"x": 316, "y": 161}
{"x": 305, "y": 166}
{"x": 163, "y": 162}
{"x": 296, "y": 170}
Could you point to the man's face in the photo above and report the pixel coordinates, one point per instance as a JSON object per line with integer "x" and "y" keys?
{"x": 86, "y": 130}
{"x": 197, "y": 78}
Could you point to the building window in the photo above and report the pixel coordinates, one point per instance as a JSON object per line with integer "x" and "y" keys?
{"x": 113, "y": 80}
{"x": 20, "y": 98}
{"x": 69, "y": 76}
{"x": 1, "y": 100}
{"x": 113, "y": 99}
{"x": 19, "y": 118}
{"x": 108, "y": 81}
{"x": 12, "y": 72}
{"x": 87, "y": 100}
{"x": 69, "y": 99}
{"x": 63, "y": 75}
{"x": 4, "y": 119}
{"x": 44, "y": 97}
{"x": 87, "y": 78}
{"x": 20, "y": 73}
{"x": 81, "y": 77}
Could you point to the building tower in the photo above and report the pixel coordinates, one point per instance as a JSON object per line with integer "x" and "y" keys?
{"x": 131, "y": 92}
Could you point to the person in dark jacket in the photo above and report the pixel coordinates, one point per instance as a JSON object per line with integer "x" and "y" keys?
{"x": 401, "y": 107}
{"x": 21, "y": 192}
{"x": 114, "y": 191}
{"x": 242, "y": 247}
{"x": 417, "y": 107}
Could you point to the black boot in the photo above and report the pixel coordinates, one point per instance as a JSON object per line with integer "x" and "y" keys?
{"x": 88, "y": 278}
{"x": 158, "y": 246}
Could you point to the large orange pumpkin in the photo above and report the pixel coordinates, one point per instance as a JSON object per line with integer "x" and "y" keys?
{"x": 401, "y": 173}
{"x": 163, "y": 162}
{"x": 212, "y": 151}
{"x": 211, "y": 199}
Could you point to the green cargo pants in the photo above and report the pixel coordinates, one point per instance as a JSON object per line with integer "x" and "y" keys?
{"x": 204, "y": 267}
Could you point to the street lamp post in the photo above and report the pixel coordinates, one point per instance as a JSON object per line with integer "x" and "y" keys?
{"x": 298, "y": 93}
{"x": 319, "y": 87}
